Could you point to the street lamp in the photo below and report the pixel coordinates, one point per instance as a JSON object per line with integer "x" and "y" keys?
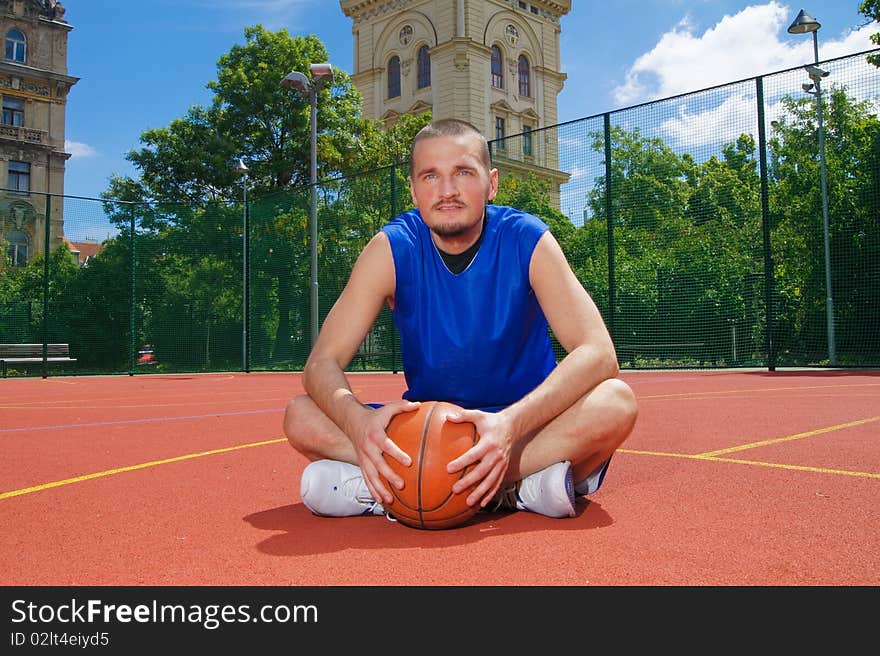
{"x": 241, "y": 169}
{"x": 300, "y": 83}
{"x": 802, "y": 24}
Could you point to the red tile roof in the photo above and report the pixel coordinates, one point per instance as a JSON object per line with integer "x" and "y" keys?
{"x": 84, "y": 250}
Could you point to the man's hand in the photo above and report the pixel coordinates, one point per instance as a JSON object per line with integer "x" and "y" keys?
{"x": 490, "y": 455}
{"x": 371, "y": 443}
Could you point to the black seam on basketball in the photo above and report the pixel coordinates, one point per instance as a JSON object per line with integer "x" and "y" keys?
{"x": 425, "y": 431}
{"x": 464, "y": 471}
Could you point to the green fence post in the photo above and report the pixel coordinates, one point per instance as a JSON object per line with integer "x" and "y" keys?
{"x": 393, "y": 171}
{"x": 765, "y": 228}
{"x": 132, "y": 353}
{"x": 47, "y": 235}
{"x": 246, "y": 336}
{"x": 609, "y": 220}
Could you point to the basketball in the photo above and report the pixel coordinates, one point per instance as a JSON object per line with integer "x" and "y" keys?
{"x": 426, "y": 500}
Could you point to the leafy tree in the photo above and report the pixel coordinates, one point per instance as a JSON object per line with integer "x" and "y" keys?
{"x": 853, "y": 176}
{"x": 647, "y": 180}
{"x": 649, "y": 192}
{"x": 101, "y": 324}
{"x": 871, "y": 10}
{"x": 687, "y": 240}
{"x": 186, "y": 194}
{"x": 21, "y": 294}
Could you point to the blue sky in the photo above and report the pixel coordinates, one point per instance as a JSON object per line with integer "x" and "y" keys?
{"x": 143, "y": 64}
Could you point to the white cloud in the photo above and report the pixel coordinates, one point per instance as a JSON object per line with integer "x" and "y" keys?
{"x": 578, "y": 173}
{"x": 740, "y": 46}
{"x": 853, "y": 41}
{"x": 77, "y": 149}
{"x": 723, "y": 123}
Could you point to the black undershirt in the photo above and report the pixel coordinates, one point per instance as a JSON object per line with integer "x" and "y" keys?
{"x": 458, "y": 262}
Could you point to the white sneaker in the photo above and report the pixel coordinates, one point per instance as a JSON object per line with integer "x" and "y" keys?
{"x": 592, "y": 482}
{"x": 331, "y": 488}
{"x": 548, "y": 492}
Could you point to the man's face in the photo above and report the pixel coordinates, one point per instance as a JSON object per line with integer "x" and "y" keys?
{"x": 450, "y": 184}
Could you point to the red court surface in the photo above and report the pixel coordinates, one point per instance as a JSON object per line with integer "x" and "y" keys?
{"x": 747, "y": 478}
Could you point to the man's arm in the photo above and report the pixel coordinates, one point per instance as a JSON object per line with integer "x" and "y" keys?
{"x": 370, "y": 285}
{"x": 344, "y": 329}
{"x": 578, "y": 325}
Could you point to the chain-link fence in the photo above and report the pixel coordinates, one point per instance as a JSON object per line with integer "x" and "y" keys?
{"x": 707, "y": 227}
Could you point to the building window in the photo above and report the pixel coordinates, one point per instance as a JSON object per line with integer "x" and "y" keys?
{"x": 394, "y": 77}
{"x": 17, "y": 248}
{"x": 424, "y": 68}
{"x": 524, "y": 77}
{"x": 15, "y": 46}
{"x": 527, "y": 140}
{"x": 497, "y": 68}
{"x": 13, "y": 111}
{"x": 499, "y": 132}
{"x": 19, "y": 176}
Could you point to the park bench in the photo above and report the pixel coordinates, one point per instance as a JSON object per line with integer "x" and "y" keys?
{"x": 32, "y": 353}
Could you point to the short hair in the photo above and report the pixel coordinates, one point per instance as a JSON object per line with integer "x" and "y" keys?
{"x": 450, "y": 127}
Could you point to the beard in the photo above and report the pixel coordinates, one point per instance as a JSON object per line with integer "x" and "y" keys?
{"x": 452, "y": 229}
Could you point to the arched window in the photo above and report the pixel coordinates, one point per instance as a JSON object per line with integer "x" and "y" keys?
{"x": 15, "y": 46}
{"x": 524, "y": 82}
{"x": 497, "y": 68}
{"x": 424, "y": 68}
{"x": 394, "y": 77}
{"x": 17, "y": 248}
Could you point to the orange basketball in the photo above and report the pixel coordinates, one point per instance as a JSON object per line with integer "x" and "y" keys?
{"x": 427, "y": 500}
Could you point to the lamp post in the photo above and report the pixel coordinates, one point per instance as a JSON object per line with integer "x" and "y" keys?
{"x": 241, "y": 169}
{"x": 301, "y": 84}
{"x": 802, "y": 24}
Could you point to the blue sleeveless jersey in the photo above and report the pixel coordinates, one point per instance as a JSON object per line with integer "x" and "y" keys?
{"x": 478, "y": 339}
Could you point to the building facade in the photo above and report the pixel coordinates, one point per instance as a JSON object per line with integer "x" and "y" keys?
{"x": 34, "y": 85}
{"x": 494, "y": 63}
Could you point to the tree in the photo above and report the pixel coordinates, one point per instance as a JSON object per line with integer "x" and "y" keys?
{"x": 21, "y": 293}
{"x": 649, "y": 193}
{"x": 853, "y": 175}
{"x": 871, "y": 10}
{"x": 687, "y": 244}
{"x": 185, "y": 194}
{"x": 647, "y": 180}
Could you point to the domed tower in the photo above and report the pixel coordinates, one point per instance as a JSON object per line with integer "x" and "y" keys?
{"x": 494, "y": 63}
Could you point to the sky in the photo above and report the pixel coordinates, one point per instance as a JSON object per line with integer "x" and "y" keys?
{"x": 143, "y": 64}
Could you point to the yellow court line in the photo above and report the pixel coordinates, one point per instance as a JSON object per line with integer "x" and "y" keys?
{"x": 758, "y": 463}
{"x": 709, "y": 456}
{"x": 817, "y": 470}
{"x": 788, "y": 438}
{"x": 130, "y": 406}
{"x": 122, "y": 470}
{"x": 662, "y": 454}
{"x": 192, "y": 399}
